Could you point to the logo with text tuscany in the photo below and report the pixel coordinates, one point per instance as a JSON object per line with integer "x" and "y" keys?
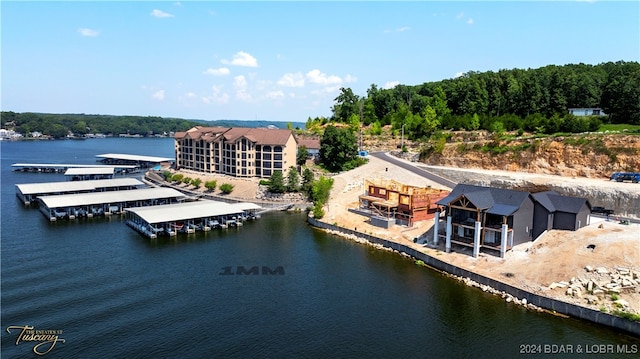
{"x": 45, "y": 340}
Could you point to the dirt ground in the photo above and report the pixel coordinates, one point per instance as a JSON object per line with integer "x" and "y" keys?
{"x": 556, "y": 257}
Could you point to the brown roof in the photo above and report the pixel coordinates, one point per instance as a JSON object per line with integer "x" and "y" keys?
{"x": 262, "y": 136}
{"x": 309, "y": 143}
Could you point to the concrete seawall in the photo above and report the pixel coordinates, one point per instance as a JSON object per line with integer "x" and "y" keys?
{"x": 575, "y": 311}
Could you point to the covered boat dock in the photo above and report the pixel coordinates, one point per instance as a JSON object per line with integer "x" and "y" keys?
{"x": 28, "y": 192}
{"x": 187, "y": 217}
{"x": 72, "y": 206}
{"x": 63, "y": 167}
{"x": 135, "y": 160}
{"x": 90, "y": 173}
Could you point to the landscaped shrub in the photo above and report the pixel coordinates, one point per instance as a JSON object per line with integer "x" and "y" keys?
{"x": 226, "y": 188}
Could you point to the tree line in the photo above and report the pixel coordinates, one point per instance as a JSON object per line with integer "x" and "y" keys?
{"x": 535, "y": 100}
{"x": 59, "y": 125}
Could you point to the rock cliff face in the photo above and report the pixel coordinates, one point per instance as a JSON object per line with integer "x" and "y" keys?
{"x": 591, "y": 156}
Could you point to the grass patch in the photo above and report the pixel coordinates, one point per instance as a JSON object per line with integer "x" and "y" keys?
{"x": 622, "y": 127}
{"x": 631, "y": 316}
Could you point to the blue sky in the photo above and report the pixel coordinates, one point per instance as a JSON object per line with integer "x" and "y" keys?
{"x": 282, "y": 61}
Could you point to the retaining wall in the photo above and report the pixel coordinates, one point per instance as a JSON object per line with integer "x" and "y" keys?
{"x": 558, "y": 306}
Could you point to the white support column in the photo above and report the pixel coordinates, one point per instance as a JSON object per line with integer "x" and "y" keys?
{"x": 503, "y": 240}
{"x": 436, "y": 228}
{"x": 476, "y": 239}
{"x": 448, "y": 235}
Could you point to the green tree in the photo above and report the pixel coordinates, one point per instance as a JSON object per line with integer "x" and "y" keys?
{"x": 293, "y": 180}
{"x": 177, "y": 177}
{"x": 276, "y": 183}
{"x": 226, "y": 188}
{"x": 338, "y": 147}
{"x": 211, "y": 185}
{"x": 321, "y": 189}
{"x": 346, "y": 104}
{"x": 186, "y": 180}
{"x": 301, "y": 155}
{"x": 196, "y": 182}
{"x": 307, "y": 181}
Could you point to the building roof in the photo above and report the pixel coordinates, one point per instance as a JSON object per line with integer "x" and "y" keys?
{"x": 190, "y": 210}
{"x": 127, "y": 157}
{"x": 494, "y": 200}
{"x": 554, "y": 202}
{"x": 261, "y": 136}
{"x": 309, "y": 143}
{"x": 72, "y": 186}
{"x": 90, "y": 171}
{"x": 85, "y": 199}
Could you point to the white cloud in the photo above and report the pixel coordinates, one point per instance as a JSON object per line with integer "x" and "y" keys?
{"x": 460, "y": 16}
{"x": 160, "y": 13}
{"x": 400, "y": 29}
{"x": 88, "y": 32}
{"x": 177, "y": 3}
{"x": 217, "y": 96}
{"x": 275, "y": 95}
{"x": 240, "y": 85}
{"x": 390, "y": 84}
{"x": 217, "y": 72}
{"x": 350, "y": 78}
{"x": 317, "y": 77}
{"x": 470, "y": 21}
{"x": 158, "y": 95}
{"x": 458, "y": 74}
{"x": 292, "y": 80}
{"x": 242, "y": 58}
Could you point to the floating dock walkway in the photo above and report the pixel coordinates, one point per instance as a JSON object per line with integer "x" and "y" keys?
{"x": 28, "y": 192}
{"x": 71, "y": 206}
{"x": 187, "y": 217}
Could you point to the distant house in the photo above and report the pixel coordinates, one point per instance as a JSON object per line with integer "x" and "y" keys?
{"x": 312, "y": 145}
{"x": 498, "y": 219}
{"x": 588, "y": 111}
{"x": 554, "y": 211}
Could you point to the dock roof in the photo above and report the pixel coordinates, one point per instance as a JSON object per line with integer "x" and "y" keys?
{"x": 85, "y": 199}
{"x": 127, "y": 157}
{"x": 190, "y": 210}
{"x": 79, "y": 171}
{"x": 72, "y": 186}
{"x": 67, "y": 165}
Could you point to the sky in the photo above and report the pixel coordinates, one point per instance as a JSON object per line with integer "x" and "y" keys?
{"x": 282, "y": 61}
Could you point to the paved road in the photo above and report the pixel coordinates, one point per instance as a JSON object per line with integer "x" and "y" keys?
{"x": 410, "y": 167}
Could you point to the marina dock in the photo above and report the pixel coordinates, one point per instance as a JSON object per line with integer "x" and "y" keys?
{"x": 28, "y": 192}
{"x": 71, "y": 206}
{"x": 187, "y": 217}
{"x": 63, "y": 167}
{"x": 135, "y": 160}
{"x": 90, "y": 173}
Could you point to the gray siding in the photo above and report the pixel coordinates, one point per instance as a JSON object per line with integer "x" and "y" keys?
{"x": 523, "y": 222}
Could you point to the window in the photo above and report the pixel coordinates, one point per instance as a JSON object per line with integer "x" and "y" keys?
{"x": 382, "y": 191}
{"x": 277, "y": 149}
{"x": 266, "y": 156}
{"x": 277, "y": 157}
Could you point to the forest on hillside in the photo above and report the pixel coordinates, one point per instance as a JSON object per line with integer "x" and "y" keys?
{"x": 60, "y": 125}
{"x": 534, "y": 100}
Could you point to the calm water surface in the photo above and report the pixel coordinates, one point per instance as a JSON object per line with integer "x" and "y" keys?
{"x": 116, "y": 294}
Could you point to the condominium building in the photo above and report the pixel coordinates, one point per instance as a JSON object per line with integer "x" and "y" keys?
{"x": 238, "y": 151}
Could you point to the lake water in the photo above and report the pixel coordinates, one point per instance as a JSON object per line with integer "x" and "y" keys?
{"x": 111, "y": 293}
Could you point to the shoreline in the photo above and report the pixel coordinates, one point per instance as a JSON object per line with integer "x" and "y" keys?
{"x": 510, "y": 293}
